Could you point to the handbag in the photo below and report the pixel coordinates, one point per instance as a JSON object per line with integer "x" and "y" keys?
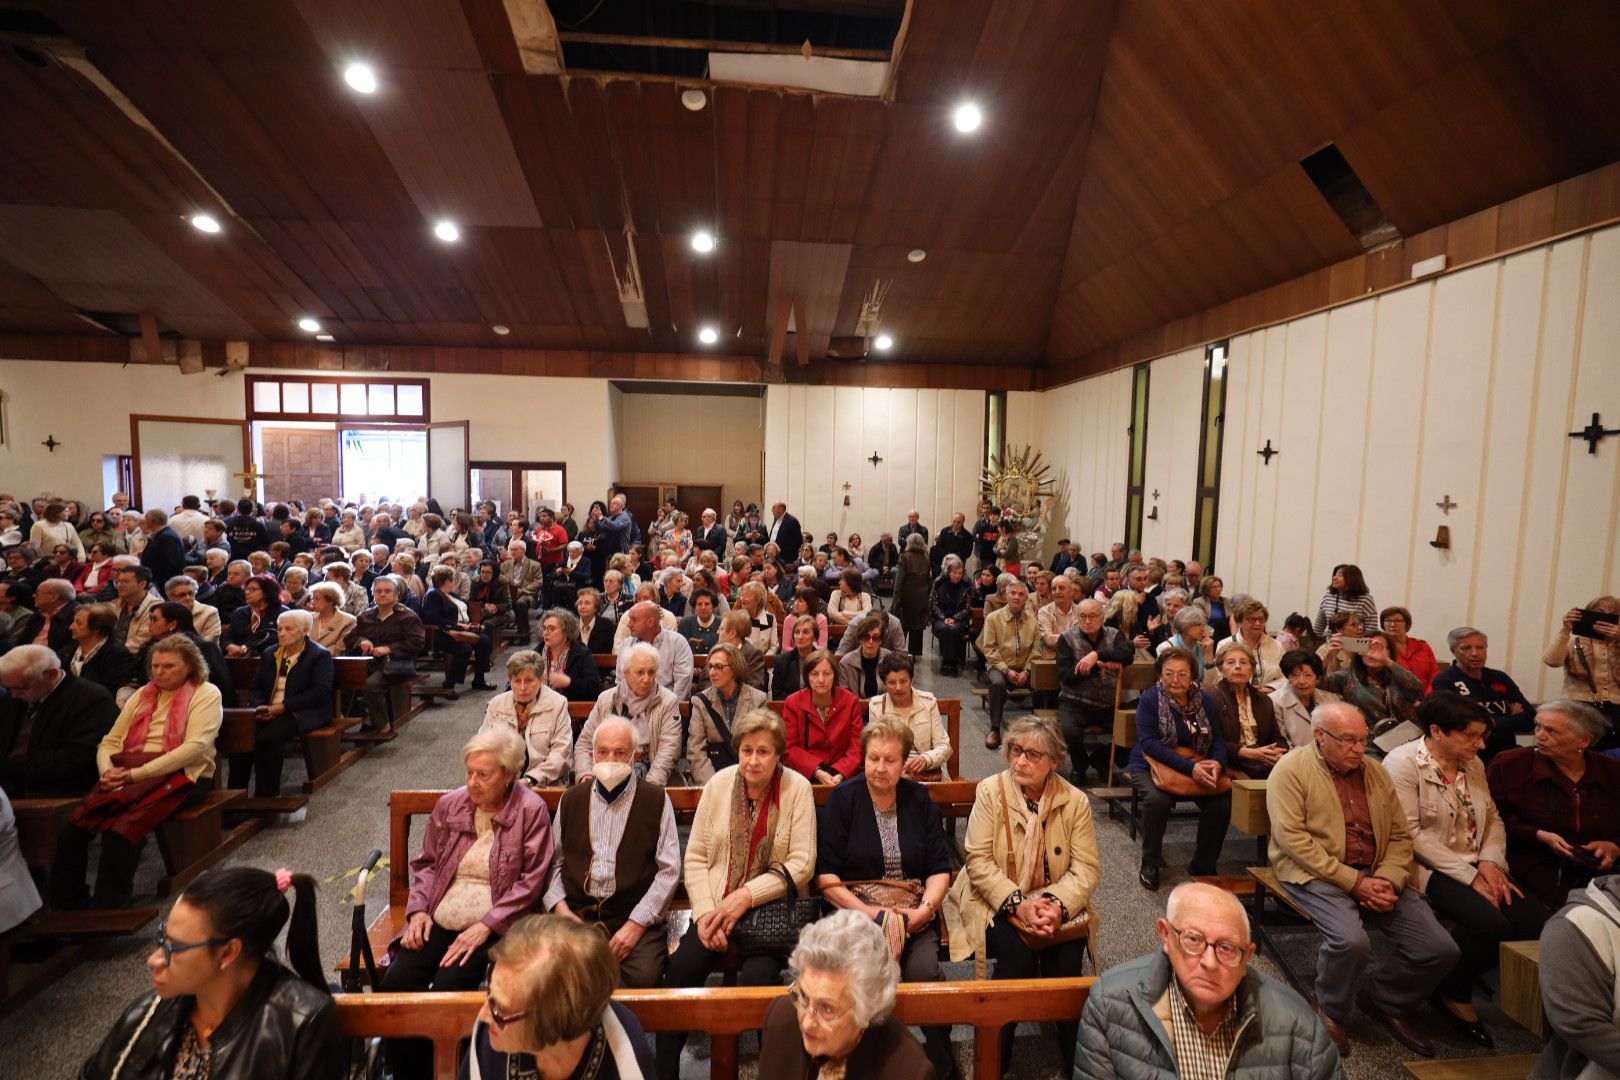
{"x": 773, "y": 928}
{"x": 1078, "y": 926}
{"x": 399, "y": 668}
{"x": 1175, "y": 782}
{"x": 887, "y": 893}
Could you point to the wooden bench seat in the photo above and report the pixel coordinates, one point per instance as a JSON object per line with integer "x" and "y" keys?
{"x": 324, "y": 753}
{"x": 38, "y": 823}
{"x": 76, "y": 931}
{"x": 725, "y": 1013}
{"x": 1481, "y": 1067}
{"x": 1266, "y": 884}
{"x": 195, "y": 838}
{"x": 1520, "y": 995}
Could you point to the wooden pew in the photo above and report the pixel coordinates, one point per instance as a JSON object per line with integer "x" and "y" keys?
{"x": 1481, "y": 1067}
{"x": 324, "y": 754}
{"x": 237, "y": 733}
{"x": 1249, "y": 815}
{"x": 195, "y": 838}
{"x": 727, "y": 1012}
{"x": 1521, "y": 985}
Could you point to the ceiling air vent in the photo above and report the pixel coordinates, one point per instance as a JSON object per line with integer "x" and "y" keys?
{"x": 1349, "y": 198}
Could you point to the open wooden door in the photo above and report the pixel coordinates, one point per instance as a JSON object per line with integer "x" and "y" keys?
{"x": 449, "y": 454}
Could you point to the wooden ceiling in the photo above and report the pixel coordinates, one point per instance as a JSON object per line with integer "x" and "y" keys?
{"x": 1138, "y": 163}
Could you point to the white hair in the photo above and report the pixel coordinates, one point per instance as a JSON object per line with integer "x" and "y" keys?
{"x": 637, "y": 651}
{"x": 1322, "y": 712}
{"x": 614, "y": 723}
{"x": 61, "y": 588}
{"x": 504, "y": 742}
{"x": 303, "y": 618}
{"x": 849, "y": 942}
{"x": 30, "y": 662}
{"x": 1191, "y": 891}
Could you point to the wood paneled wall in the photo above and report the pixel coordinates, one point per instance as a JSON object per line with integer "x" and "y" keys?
{"x": 819, "y": 438}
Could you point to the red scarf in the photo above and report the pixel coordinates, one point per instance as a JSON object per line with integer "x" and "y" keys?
{"x": 174, "y": 730}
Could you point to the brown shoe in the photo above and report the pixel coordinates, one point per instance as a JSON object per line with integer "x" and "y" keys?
{"x": 992, "y": 741}
{"x": 1336, "y": 1031}
{"x": 1406, "y": 1033}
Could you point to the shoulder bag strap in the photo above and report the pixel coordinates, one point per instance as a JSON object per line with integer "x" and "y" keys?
{"x": 781, "y": 871}
{"x": 719, "y": 721}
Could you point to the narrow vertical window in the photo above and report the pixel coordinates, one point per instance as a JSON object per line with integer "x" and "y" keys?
{"x": 1207, "y": 500}
{"x": 995, "y": 428}
{"x": 1136, "y": 480}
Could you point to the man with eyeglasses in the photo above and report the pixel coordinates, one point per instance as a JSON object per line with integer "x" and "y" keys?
{"x": 1195, "y": 1008}
{"x": 1340, "y": 846}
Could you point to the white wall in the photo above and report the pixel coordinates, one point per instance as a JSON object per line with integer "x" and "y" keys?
{"x": 1175, "y": 412}
{"x": 1087, "y": 445}
{"x": 817, "y": 438}
{"x": 690, "y": 439}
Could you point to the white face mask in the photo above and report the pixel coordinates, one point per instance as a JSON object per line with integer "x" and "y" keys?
{"x": 610, "y": 774}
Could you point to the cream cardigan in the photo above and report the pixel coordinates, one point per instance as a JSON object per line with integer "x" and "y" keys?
{"x": 707, "y": 850}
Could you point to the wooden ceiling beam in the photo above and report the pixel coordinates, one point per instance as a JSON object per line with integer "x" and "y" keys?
{"x": 719, "y": 45}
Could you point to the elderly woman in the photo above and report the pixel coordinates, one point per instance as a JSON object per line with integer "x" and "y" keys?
{"x": 570, "y": 667}
{"x": 157, "y": 759}
{"x": 596, "y": 621}
{"x": 752, "y": 599}
{"x": 96, "y": 573}
{"x": 787, "y": 677}
{"x": 1178, "y": 728}
{"x": 1024, "y": 895}
{"x": 460, "y": 639}
{"x": 350, "y": 536}
{"x": 483, "y": 864}
{"x": 1413, "y": 654}
{"x": 253, "y": 625}
{"x": 858, "y": 668}
{"x": 912, "y": 592}
{"x": 95, "y": 656}
{"x": 1377, "y": 685}
{"x": 753, "y": 816}
{"x": 835, "y": 1019}
{"x": 1293, "y": 702}
{"x": 882, "y": 852}
{"x": 295, "y": 583}
{"x": 951, "y": 614}
{"x": 736, "y": 629}
{"x": 1591, "y": 665}
{"x": 1560, "y": 802}
{"x": 918, "y": 710}
{"x": 651, "y": 708}
{"x": 715, "y": 712}
{"x": 537, "y": 713}
{"x": 1460, "y": 846}
{"x": 1089, "y": 658}
{"x": 1192, "y": 636}
{"x": 528, "y": 1029}
{"x": 823, "y": 724}
{"x": 332, "y": 624}
{"x": 1250, "y": 618}
{"x": 1248, "y": 722}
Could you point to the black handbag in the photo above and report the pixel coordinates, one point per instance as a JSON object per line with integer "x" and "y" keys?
{"x": 721, "y": 754}
{"x": 399, "y": 668}
{"x": 773, "y": 928}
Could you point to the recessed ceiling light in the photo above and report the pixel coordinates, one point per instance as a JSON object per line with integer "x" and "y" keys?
{"x": 702, "y": 242}
{"x": 447, "y": 231}
{"x": 694, "y": 99}
{"x": 360, "y": 78}
{"x": 916, "y": 255}
{"x": 309, "y": 325}
{"x": 501, "y": 329}
{"x": 883, "y": 343}
{"x": 967, "y": 117}
{"x": 708, "y": 335}
{"x": 207, "y": 223}
{"x": 324, "y": 337}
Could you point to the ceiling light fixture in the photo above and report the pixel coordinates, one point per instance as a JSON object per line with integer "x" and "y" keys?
{"x": 967, "y": 117}
{"x": 447, "y": 231}
{"x": 708, "y": 335}
{"x": 309, "y": 325}
{"x": 702, "y": 242}
{"x": 694, "y": 99}
{"x": 501, "y": 329}
{"x": 916, "y": 255}
{"x": 324, "y": 337}
{"x": 360, "y": 78}
{"x": 207, "y": 223}
{"x": 883, "y": 343}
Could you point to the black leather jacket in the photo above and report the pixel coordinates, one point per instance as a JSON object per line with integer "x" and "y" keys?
{"x": 282, "y": 1029}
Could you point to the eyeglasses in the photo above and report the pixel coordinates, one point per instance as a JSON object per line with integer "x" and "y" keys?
{"x": 497, "y": 1015}
{"x": 872, "y": 639}
{"x": 1346, "y": 740}
{"x": 1194, "y": 944}
{"x": 824, "y": 1013}
{"x": 1035, "y": 756}
{"x": 170, "y": 948}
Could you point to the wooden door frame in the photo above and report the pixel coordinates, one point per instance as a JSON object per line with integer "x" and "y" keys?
{"x": 135, "y": 419}
{"x": 516, "y": 467}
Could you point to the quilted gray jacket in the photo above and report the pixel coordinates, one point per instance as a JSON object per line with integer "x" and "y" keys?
{"x": 1122, "y": 1036}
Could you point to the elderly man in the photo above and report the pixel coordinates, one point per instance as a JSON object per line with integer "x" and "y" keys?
{"x": 618, "y": 856}
{"x": 1069, "y": 555}
{"x": 653, "y": 710}
{"x": 956, "y": 540}
{"x": 204, "y": 619}
{"x": 524, "y": 578}
{"x": 165, "y": 553}
{"x": 232, "y": 594}
{"x": 711, "y": 534}
{"x": 1193, "y": 575}
{"x": 1341, "y": 848}
{"x": 913, "y": 525}
{"x": 1196, "y": 1008}
{"x": 618, "y": 529}
{"x": 1578, "y": 947}
{"x": 133, "y": 584}
{"x": 50, "y": 726}
{"x": 784, "y": 531}
{"x": 214, "y": 538}
{"x": 51, "y": 624}
{"x": 388, "y": 630}
{"x": 1009, "y": 644}
{"x": 1089, "y": 657}
{"x": 1116, "y": 558}
{"x": 292, "y": 694}
{"x": 645, "y": 625}
{"x": 1056, "y": 617}
{"x": 1511, "y": 712}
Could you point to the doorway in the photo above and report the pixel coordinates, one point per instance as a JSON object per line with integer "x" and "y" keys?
{"x": 523, "y": 486}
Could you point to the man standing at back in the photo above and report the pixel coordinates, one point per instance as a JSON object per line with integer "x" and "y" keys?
{"x": 785, "y": 532}
{"x": 245, "y": 532}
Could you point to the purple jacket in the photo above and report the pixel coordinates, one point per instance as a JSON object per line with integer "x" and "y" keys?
{"x": 517, "y": 864}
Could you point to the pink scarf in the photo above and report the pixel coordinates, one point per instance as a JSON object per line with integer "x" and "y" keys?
{"x": 174, "y": 731}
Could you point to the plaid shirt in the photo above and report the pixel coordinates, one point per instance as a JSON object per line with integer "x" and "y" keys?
{"x": 1200, "y": 1055}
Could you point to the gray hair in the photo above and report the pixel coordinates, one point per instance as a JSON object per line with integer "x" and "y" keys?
{"x": 502, "y": 741}
{"x": 849, "y": 942}
{"x": 157, "y": 516}
{"x": 299, "y": 570}
{"x": 243, "y": 563}
{"x": 1585, "y": 719}
{"x": 526, "y": 660}
{"x": 1242, "y": 646}
{"x": 1190, "y": 891}
{"x": 303, "y": 618}
{"x": 1042, "y": 729}
{"x": 1461, "y": 633}
{"x": 612, "y": 723}
{"x": 567, "y": 622}
{"x": 30, "y": 662}
{"x": 1005, "y": 581}
{"x": 1189, "y": 617}
{"x": 329, "y": 589}
{"x": 62, "y": 588}
{"x": 178, "y": 579}
{"x": 915, "y": 542}
{"x": 1174, "y": 594}
{"x": 1334, "y": 708}
{"x": 949, "y": 563}
{"x": 640, "y": 649}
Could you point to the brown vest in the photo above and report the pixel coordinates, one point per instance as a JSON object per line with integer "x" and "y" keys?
{"x": 637, "y": 865}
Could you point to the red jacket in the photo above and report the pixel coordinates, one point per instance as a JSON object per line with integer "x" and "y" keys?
{"x": 1419, "y": 660}
{"x": 813, "y": 745}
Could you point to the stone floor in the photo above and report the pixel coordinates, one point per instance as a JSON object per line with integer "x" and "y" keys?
{"x": 58, "y": 1029}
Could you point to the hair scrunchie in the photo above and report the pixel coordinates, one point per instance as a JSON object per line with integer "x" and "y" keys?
{"x": 283, "y": 879}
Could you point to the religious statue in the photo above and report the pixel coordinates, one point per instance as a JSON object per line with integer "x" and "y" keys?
{"x": 1019, "y": 484}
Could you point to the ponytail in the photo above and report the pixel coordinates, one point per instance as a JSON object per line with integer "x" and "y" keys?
{"x": 252, "y": 905}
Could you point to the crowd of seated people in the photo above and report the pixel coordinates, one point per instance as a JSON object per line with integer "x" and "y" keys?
{"x": 1462, "y": 821}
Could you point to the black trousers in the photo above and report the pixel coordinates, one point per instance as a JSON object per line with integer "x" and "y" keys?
{"x": 953, "y": 641}
{"x": 691, "y": 965}
{"x": 1479, "y": 927}
{"x": 458, "y": 653}
{"x": 1073, "y": 718}
{"x": 417, "y": 970}
{"x": 1015, "y": 960}
{"x": 1214, "y": 815}
{"x": 115, "y": 866}
{"x": 269, "y": 751}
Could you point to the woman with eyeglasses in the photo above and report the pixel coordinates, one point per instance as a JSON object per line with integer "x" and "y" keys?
{"x": 531, "y": 1027}
{"x": 836, "y": 1019}
{"x": 858, "y": 668}
{"x": 1024, "y": 894}
{"x": 220, "y": 1004}
{"x": 1178, "y": 726}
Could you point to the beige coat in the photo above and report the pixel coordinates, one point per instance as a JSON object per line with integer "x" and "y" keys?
{"x": 983, "y": 885}
{"x": 701, "y": 730}
{"x": 659, "y": 739}
{"x": 1307, "y": 823}
{"x": 546, "y": 736}
{"x": 709, "y": 846}
{"x": 929, "y": 739}
{"x": 1432, "y": 809}
{"x": 335, "y": 637}
{"x": 1603, "y": 659}
{"x": 1005, "y": 646}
